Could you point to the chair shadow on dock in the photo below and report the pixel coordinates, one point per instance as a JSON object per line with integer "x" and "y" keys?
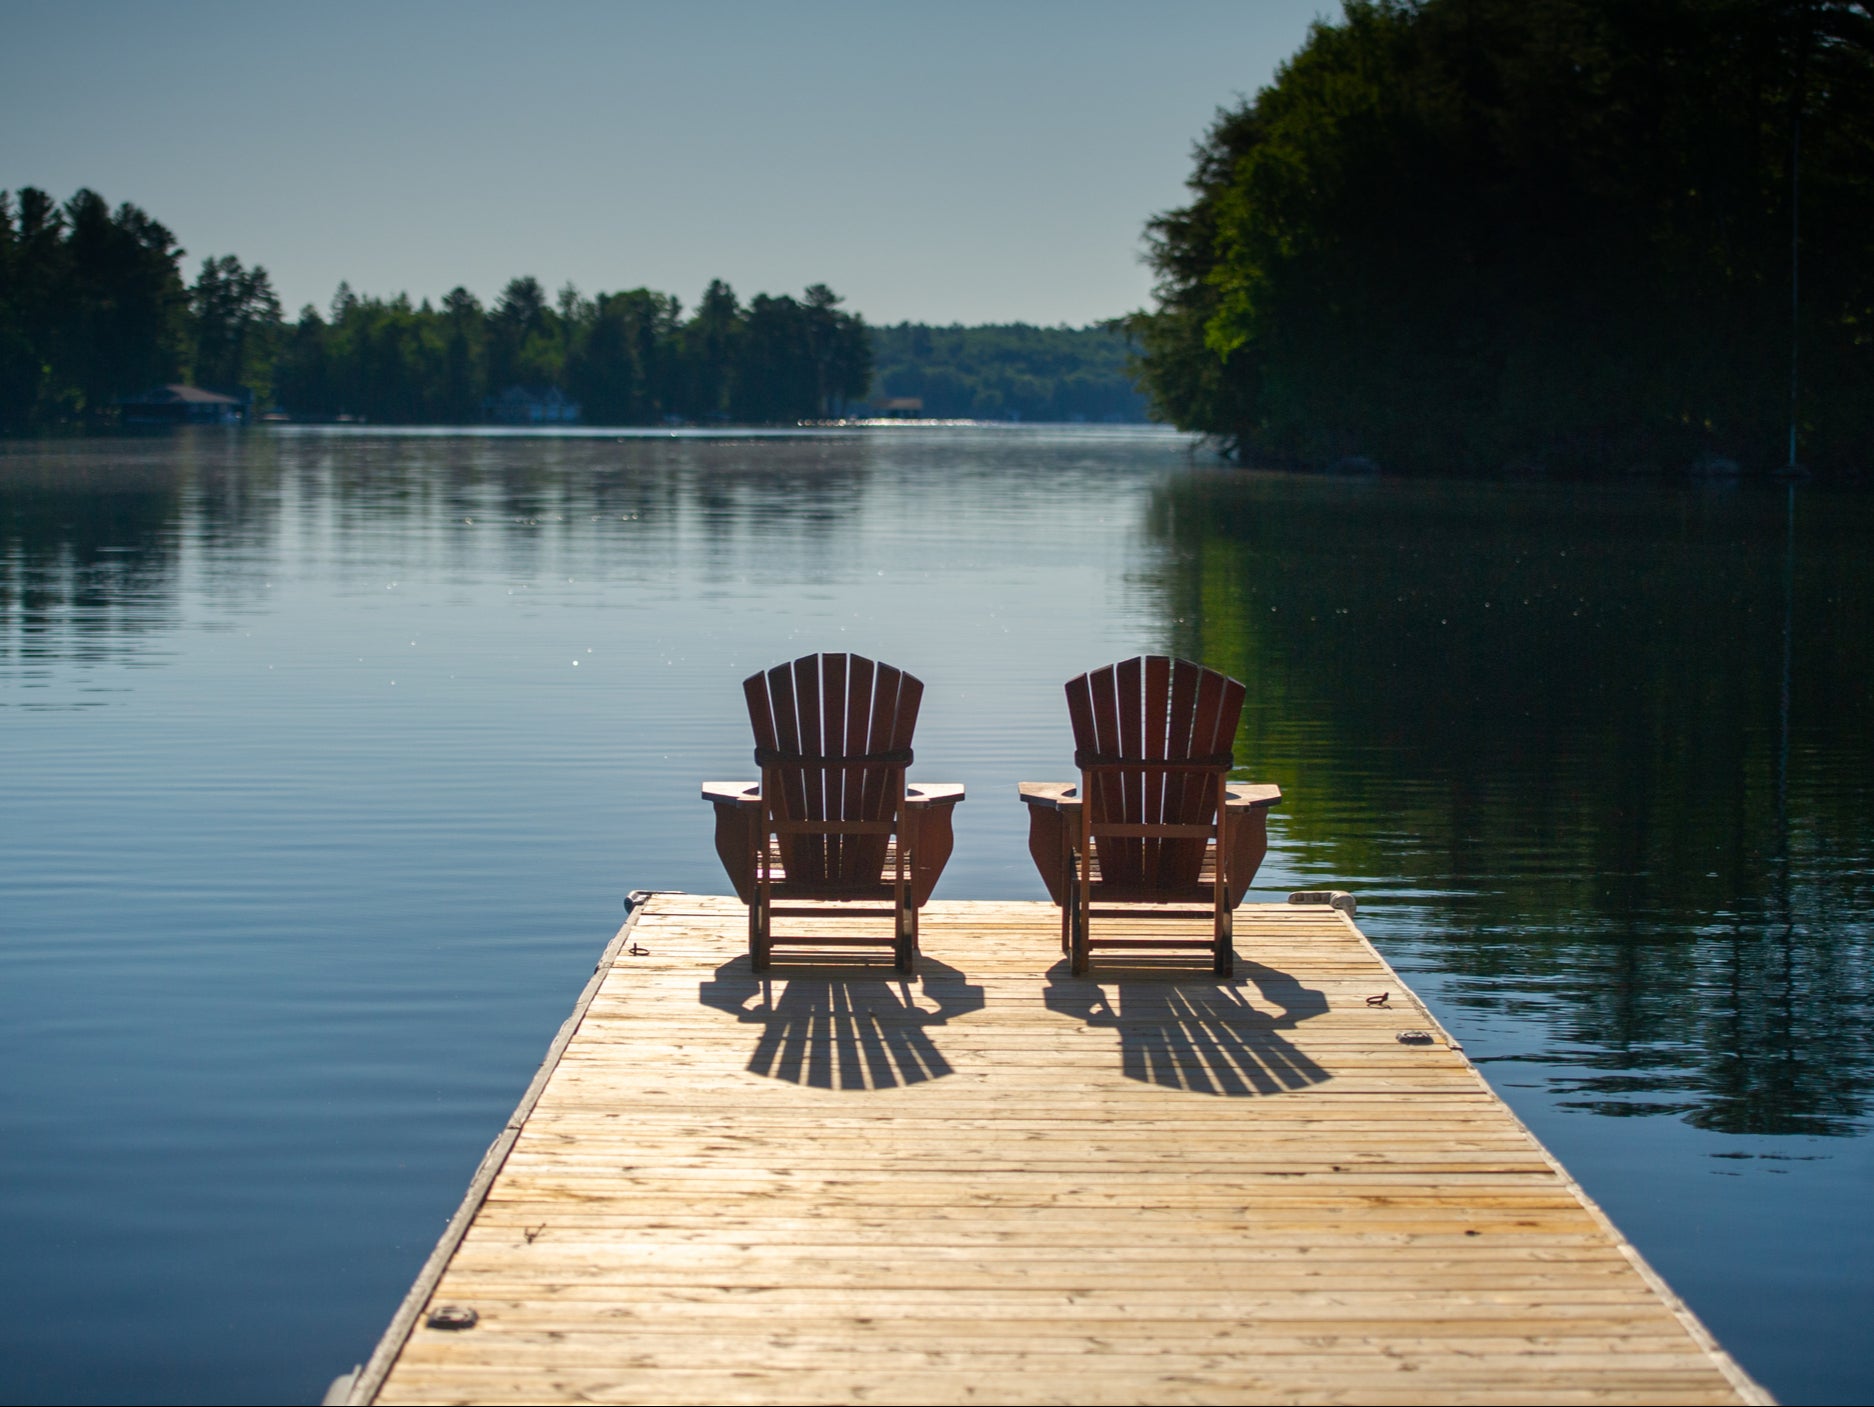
{"x": 832, "y": 1027}
{"x": 1183, "y": 1028}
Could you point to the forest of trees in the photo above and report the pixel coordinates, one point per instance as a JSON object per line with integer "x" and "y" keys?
{"x": 94, "y": 307}
{"x": 628, "y": 358}
{"x": 1464, "y": 235}
{"x": 1450, "y": 236}
{"x": 1009, "y": 371}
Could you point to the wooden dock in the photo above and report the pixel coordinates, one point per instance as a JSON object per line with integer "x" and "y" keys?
{"x": 994, "y": 1182}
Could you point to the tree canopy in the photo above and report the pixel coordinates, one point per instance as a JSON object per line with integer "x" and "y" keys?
{"x": 93, "y": 308}
{"x": 92, "y": 305}
{"x": 629, "y": 358}
{"x": 1460, "y": 235}
{"x": 1010, "y": 371}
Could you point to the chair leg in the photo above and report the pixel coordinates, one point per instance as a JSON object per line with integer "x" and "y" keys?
{"x": 760, "y": 939}
{"x": 1082, "y": 948}
{"x": 1225, "y": 963}
{"x": 905, "y": 950}
{"x": 1070, "y": 915}
{"x": 758, "y": 917}
{"x": 1071, "y": 867}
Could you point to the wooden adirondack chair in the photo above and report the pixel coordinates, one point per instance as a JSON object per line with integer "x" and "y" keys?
{"x": 832, "y": 818}
{"x": 1163, "y": 826}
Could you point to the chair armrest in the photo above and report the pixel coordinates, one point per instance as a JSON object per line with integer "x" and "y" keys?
{"x": 1253, "y": 796}
{"x": 928, "y": 828}
{"x": 1054, "y": 821}
{"x": 743, "y": 794}
{"x": 1054, "y": 796}
{"x": 1065, "y": 796}
{"x": 747, "y": 795}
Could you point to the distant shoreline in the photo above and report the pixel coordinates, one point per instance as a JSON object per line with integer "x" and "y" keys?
{"x": 800, "y": 430}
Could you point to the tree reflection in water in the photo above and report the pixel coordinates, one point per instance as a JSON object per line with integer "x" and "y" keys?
{"x": 844, "y": 1028}
{"x": 1183, "y": 1028}
{"x": 1599, "y": 755}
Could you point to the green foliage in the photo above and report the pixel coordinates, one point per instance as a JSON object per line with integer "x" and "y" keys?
{"x": 1009, "y": 371}
{"x": 625, "y": 369}
{"x": 629, "y": 358}
{"x": 92, "y": 307}
{"x": 235, "y": 327}
{"x": 709, "y": 348}
{"x": 465, "y": 355}
{"x": 1482, "y": 234}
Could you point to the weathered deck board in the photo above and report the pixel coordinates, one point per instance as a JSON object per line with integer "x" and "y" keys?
{"x": 995, "y": 1182}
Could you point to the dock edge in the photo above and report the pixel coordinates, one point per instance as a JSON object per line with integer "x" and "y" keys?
{"x": 365, "y": 1381}
{"x": 1747, "y": 1387}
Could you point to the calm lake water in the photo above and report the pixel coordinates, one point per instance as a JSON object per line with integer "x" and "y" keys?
{"x": 328, "y": 757}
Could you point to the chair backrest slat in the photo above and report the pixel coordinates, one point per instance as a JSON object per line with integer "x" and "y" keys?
{"x": 1080, "y": 708}
{"x": 828, "y": 707}
{"x": 857, "y": 730}
{"x": 1157, "y": 697}
{"x": 760, "y": 711}
{"x": 832, "y": 742}
{"x": 806, "y": 678}
{"x": 1182, "y": 789}
{"x": 1153, "y": 708}
{"x": 1108, "y": 801}
{"x": 881, "y": 733}
{"x": 793, "y": 786}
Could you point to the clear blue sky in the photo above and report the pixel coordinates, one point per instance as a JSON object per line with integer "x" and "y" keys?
{"x": 948, "y": 163}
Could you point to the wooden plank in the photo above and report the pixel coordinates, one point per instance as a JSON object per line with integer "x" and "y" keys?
{"x": 832, "y": 1183}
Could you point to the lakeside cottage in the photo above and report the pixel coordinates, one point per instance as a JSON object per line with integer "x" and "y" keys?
{"x": 183, "y": 405}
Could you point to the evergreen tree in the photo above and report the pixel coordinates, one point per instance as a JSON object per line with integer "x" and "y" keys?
{"x": 624, "y": 370}
{"x": 775, "y": 375}
{"x": 302, "y": 376}
{"x": 235, "y": 328}
{"x": 710, "y": 348}
{"x": 839, "y": 348}
{"x": 465, "y": 356}
{"x": 521, "y": 346}
{"x": 92, "y": 307}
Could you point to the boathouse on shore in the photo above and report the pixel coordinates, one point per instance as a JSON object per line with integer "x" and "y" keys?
{"x": 183, "y": 405}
